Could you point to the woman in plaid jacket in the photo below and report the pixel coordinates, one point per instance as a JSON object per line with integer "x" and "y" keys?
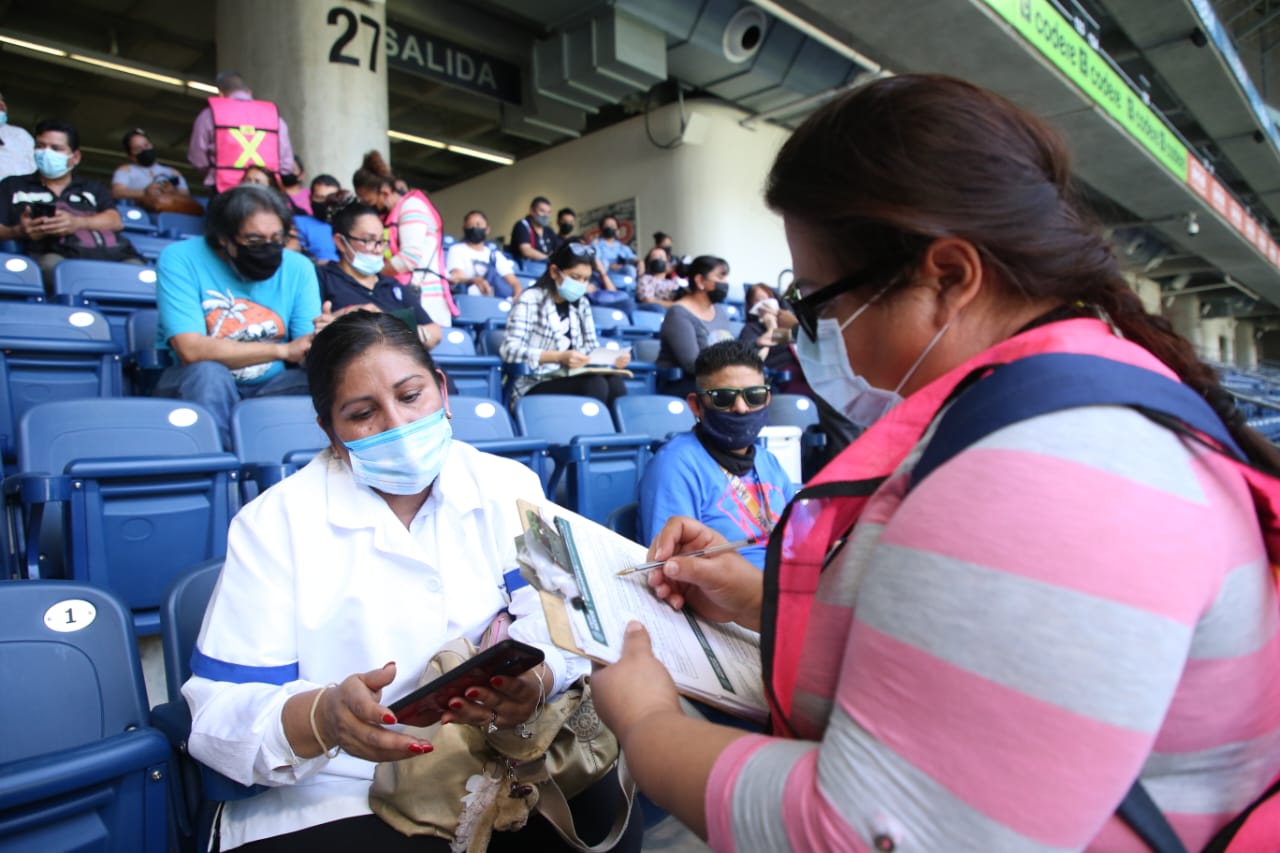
{"x": 551, "y": 331}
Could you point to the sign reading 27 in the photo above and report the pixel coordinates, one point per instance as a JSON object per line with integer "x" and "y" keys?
{"x": 351, "y": 26}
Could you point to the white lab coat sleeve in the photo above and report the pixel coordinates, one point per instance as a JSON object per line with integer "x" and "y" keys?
{"x": 530, "y": 623}
{"x": 245, "y": 663}
{"x": 530, "y": 626}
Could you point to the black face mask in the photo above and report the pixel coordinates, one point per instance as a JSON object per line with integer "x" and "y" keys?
{"x": 720, "y": 293}
{"x": 258, "y": 263}
{"x": 289, "y": 180}
{"x": 566, "y": 228}
{"x": 608, "y": 233}
{"x": 320, "y": 210}
{"x": 474, "y": 235}
{"x": 655, "y": 266}
{"x": 146, "y": 159}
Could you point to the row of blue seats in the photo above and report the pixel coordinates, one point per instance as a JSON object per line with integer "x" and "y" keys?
{"x": 123, "y": 492}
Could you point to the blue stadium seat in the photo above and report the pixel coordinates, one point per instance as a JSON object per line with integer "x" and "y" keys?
{"x": 656, "y": 415}
{"x": 489, "y": 341}
{"x": 20, "y": 279}
{"x": 609, "y": 321}
{"x": 115, "y": 290}
{"x": 799, "y": 411}
{"x": 150, "y": 245}
{"x": 485, "y": 424}
{"x": 136, "y": 221}
{"x": 80, "y": 768}
{"x": 51, "y": 352}
{"x": 481, "y": 312}
{"x": 625, "y": 521}
{"x": 273, "y": 437}
{"x": 199, "y": 788}
{"x": 143, "y": 361}
{"x": 123, "y": 493}
{"x": 178, "y": 225}
{"x": 600, "y": 467}
{"x": 644, "y": 357}
{"x": 475, "y": 375}
{"x": 645, "y": 324}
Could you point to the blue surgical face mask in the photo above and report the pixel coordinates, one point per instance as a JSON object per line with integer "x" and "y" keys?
{"x": 4, "y": 118}
{"x": 826, "y": 367}
{"x": 733, "y": 430}
{"x": 52, "y": 164}
{"x": 571, "y": 289}
{"x": 404, "y": 460}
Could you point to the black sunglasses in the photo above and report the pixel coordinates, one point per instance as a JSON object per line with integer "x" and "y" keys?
{"x": 808, "y": 308}
{"x": 580, "y": 250}
{"x": 724, "y": 398}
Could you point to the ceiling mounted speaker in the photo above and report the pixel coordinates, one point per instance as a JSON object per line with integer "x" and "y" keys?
{"x": 743, "y": 34}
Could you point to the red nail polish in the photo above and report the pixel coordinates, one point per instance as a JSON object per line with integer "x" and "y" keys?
{"x": 455, "y": 704}
{"x": 418, "y": 749}
{"x": 472, "y": 693}
{"x": 496, "y": 681}
{"x": 389, "y": 719}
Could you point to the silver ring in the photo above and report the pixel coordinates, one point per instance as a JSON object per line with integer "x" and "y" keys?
{"x": 493, "y": 723}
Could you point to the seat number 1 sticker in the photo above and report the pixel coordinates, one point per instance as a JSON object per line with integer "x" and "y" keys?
{"x": 72, "y": 614}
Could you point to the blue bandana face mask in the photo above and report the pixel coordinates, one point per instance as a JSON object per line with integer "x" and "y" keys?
{"x": 404, "y": 460}
{"x": 733, "y": 430}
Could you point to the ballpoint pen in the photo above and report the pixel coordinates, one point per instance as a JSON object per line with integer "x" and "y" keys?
{"x": 704, "y": 552}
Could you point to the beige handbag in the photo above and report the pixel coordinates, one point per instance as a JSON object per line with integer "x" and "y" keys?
{"x": 473, "y": 784}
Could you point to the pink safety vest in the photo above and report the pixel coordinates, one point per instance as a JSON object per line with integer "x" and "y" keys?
{"x": 245, "y": 133}
{"x": 829, "y": 505}
{"x": 431, "y": 282}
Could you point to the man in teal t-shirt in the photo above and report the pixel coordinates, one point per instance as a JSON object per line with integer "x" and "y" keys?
{"x": 236, "y": 310}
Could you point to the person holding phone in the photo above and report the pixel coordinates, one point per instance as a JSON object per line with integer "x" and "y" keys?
{"x": 57, "y": 214}
{"x": 341, "y": 582}
{"x": 988, "y": 656}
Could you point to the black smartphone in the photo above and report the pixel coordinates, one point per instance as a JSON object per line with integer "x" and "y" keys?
{"x": 41, "y": 209}
{"x": 428, "y": 703}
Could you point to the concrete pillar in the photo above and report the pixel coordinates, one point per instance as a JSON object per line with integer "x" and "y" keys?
{"x": 1184, "y": 314}
{"x": 1246, "y": 346}
{"x": 323, "y": 64}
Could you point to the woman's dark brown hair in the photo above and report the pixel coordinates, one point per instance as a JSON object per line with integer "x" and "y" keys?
{"x": 880, "y": 172}
{"x": 373, "y": 174}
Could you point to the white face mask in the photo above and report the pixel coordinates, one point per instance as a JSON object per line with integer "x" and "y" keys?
{"x": 365, "y": 264}
{"x": 403, "y": 460}
{"x": 825, "y": 363}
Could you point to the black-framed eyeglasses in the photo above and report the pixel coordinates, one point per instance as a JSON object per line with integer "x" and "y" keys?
{"x": 724, "y": 398}
{"x": 809, "y": 308}
{"x": 257, "y": 242}
{"x": 373, "y": 243}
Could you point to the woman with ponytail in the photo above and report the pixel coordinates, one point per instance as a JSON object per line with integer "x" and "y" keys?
{"x": 415, "y": 236}
{"x": 989, "y": 655}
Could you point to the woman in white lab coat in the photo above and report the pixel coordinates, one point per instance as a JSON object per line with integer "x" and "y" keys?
{"x": 339, "y": 585}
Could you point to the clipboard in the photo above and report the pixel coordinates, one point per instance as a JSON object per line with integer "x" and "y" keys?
{"x": 714, "y": 663}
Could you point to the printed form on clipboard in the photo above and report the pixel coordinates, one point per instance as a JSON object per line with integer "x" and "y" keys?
{"x": 572, "y": 561}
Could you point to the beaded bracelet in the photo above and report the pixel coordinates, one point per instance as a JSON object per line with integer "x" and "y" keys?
{"x": 315, "y": 703}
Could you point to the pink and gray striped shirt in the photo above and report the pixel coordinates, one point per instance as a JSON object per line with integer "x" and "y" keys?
{"x": 991, "y": 661}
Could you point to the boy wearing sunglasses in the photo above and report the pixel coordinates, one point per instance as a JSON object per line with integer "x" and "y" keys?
{"x": 716, "y": 473}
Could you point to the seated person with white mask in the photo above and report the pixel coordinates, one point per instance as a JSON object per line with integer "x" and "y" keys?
{"x": 716, "y": 473}
{"x": 357, "y": 280}
{"x": 340, "y": 584}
